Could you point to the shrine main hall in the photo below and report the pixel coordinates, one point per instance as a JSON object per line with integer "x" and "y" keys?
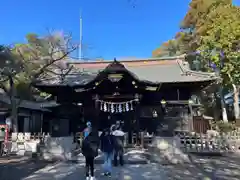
{"x": 153, "y": 95}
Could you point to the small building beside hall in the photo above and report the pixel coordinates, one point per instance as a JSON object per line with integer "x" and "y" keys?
{"x": 30, "y": 114}
{"x": 154, "y": 95}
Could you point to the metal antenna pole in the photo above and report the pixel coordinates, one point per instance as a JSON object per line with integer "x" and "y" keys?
{"x": 80, "y": 43}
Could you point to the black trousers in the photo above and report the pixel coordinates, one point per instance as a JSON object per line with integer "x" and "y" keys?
{"x": 89, "y": 166}
{"x": 118, "y": 153}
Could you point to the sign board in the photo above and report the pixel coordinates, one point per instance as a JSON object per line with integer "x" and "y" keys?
{"x": 21, "y": 145}
{"x": 115, "y": 77}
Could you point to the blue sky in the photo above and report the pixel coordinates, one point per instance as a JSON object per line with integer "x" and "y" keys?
{"x": 111, "y": 28}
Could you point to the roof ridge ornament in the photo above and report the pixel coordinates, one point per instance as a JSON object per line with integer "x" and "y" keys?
{"x": 188, "y": 71}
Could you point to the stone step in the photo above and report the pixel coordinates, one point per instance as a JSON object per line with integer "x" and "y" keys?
{"x": 166, "y": 150}
{"x": 130, "y": 157}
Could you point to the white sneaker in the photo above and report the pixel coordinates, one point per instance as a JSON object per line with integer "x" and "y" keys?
{"x": 87, "y": 178}
{"x": 92, "y": 178}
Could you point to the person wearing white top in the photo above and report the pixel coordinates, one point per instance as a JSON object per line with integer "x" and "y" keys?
{"x": 118, "y": 145}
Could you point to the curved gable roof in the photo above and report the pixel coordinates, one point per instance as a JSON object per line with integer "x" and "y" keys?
{"x": 156, "y": 70}
{"x": 153, "y": 70}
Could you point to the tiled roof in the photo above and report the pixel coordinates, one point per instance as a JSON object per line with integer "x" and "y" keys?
{"x": 156, "y": 70}
{"x": 75, "y": 77}
{"x": 24, "y": 104}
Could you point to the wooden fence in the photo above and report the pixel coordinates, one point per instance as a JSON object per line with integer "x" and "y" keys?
{"x": 220, "y": 143}
{"x": 200, "y": 125}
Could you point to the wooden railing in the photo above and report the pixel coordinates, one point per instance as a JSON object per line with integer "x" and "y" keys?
{"x": 200, "y": 125}
{"x": 194, "y": 142}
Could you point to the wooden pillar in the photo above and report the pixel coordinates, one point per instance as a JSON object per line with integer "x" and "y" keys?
{"x": 191, "y": 128}
{"x": 142, "y": 139}
{"x": 137, "y": 119}
{"x": 96, "y": 119}
{"x": 41, "y": 116}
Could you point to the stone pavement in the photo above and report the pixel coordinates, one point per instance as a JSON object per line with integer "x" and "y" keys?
{"x": 70, "y": 171}
{"x": 206, "y": 168}
{"x": 16, "y": 168}
{"x": 200, "y": 168}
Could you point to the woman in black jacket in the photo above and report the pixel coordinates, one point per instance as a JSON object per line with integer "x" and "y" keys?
{"x": 107, "y": 147}
{"x": 90, "y": 147}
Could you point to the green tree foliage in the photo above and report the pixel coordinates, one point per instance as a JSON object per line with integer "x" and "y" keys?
{"x": 25, "y": 64}
{"x": 193, "y": 26}
{"x": 212, "y": 28}
{"x": 169, "y": 48}
{"x": 223, "y": 36}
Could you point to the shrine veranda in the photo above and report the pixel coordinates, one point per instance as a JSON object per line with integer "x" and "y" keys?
{"x": 152, "y": 95}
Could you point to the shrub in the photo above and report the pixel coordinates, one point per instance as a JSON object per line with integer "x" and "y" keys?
{"x": 221, "y": 126}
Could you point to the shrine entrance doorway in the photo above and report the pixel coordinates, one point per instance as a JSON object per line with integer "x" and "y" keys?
{"x": 126, "y": 119}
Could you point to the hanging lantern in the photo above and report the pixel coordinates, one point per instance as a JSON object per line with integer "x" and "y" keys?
{"x": 163, "y": 102}
{"x": 155, "y": 113}
{"x": 137, "y": 97}
{"x": 190, "y": 101}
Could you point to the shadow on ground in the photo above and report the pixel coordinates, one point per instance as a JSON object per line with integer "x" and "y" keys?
{"x": 141, "y": 172}
{"x": 16, "y": 168}
{"x": 212, "y": 167}
{"x": 201, "y": 167}
{"x": 63, "y": 171}
{"x": 222, "y": 167}
{"x": 69, "y": 171}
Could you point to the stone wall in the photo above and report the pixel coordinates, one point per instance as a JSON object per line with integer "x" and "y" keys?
{"x": 22, "y": 144}
{"x": 167, "y": 150}
{"x": 58, "y": 148}
{"x": 45, "y": 147}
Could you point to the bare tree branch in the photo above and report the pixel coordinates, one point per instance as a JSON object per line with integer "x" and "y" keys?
{"x": 32, "y": 61}
{"x": 4, "y": 88}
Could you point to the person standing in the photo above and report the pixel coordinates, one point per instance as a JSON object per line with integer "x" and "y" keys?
{"x": 90, "y": 147}
{"x": 107, "y": 147}
{"x": 87, "y": 130}
{"x": 118, "y": 144}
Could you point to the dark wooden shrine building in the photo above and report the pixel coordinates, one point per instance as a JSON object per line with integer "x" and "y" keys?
{"x": 147, "y": 95}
